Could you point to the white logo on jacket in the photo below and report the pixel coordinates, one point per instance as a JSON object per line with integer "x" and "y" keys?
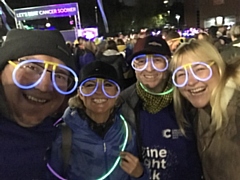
{"x": 172, "y": 133}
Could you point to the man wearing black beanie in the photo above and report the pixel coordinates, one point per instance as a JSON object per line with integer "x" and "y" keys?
{"x": 36, "y": 72}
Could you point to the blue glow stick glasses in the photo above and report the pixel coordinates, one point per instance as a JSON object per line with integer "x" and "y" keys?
{"x": 200, "y": 71}
{"x": 180, "y": 39}
{"x": 89, "y": 86}
{"x": 158, "y": 62}
{"x": 29, "y": 73}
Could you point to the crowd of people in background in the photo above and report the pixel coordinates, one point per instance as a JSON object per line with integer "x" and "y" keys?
{"x": 116, "y": 50}
{"x": 222, "y": 37}
{"x": 149, "y": 103}
{"x": 150, "y": 106}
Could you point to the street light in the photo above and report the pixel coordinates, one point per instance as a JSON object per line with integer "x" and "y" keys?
{"x": 219, "y": 20}
{"x": 96, "y": 15}
{"x": 48, "y": 24}
{"x": 177, "y": 16}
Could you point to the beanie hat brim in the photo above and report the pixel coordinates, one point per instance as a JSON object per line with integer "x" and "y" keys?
{"x": 98, "y": 69}
{"x": 150, "y": 45}
{"x": 20, "y": 43}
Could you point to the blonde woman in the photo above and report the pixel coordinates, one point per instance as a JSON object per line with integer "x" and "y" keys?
{"x": 202, "y": 78}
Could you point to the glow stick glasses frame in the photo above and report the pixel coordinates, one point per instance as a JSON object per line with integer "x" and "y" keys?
{"x": 200, "y": 71}
{"x": 89, "y": 86}
{"x": 181, "y": 39}
{"x": 114, "y": 164}
{"x": 31, "y": 72}
{"x": 158, "y": 62}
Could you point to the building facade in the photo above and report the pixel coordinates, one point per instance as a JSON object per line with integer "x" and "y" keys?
{"x": 206, "y": 13}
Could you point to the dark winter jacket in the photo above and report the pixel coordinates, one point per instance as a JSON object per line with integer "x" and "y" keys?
{"x": 23, "y": 149}
{"x": 220, "y": 150}
{"x": 165, "y": 151}
{"x": 117, "y": 61}
{"x": 93, "y": 156}
{"x": 231, "y": 50}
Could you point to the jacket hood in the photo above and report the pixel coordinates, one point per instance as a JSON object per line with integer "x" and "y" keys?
{"x": 110, "y": 52}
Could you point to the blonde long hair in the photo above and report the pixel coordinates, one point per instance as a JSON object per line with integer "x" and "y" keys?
{"x": 221, "y": 94}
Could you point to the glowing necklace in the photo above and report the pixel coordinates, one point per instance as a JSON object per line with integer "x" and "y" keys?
{"x": 115, "y": 163}
{"x": 153, "y": 93}
{"x": 123, "y": 147}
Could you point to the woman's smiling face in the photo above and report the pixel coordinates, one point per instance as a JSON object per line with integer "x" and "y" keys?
{"x": 196, "y": 91}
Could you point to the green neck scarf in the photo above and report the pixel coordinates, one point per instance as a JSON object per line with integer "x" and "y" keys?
{"x": 155, "y": 103}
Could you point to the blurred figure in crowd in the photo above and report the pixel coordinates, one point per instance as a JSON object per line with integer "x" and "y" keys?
{"x": 222, "y": 35}
{"x": 173, "y": 40}
{"x": 214, "y": 40}
{"x": 232, "y": 49}
{"x": 112, "y": 56}
{"x": 87, "y": 50}
{"x": 203, "y": 36}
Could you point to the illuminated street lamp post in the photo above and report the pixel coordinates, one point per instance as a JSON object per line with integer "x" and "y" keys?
{"x": 96, "y": 15}
{"x": 177, "y": 16}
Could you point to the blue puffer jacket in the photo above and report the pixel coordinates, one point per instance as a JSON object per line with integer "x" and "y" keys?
{"x": 91, "y": 156}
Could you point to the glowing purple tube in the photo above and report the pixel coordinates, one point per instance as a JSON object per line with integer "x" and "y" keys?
{"x": 152, "y": 63}
{"x": 95, "y": 89}
{"x": 54, "y": 173}
{"x": 43, "y": 74}
{"x": 191, "y": 70}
